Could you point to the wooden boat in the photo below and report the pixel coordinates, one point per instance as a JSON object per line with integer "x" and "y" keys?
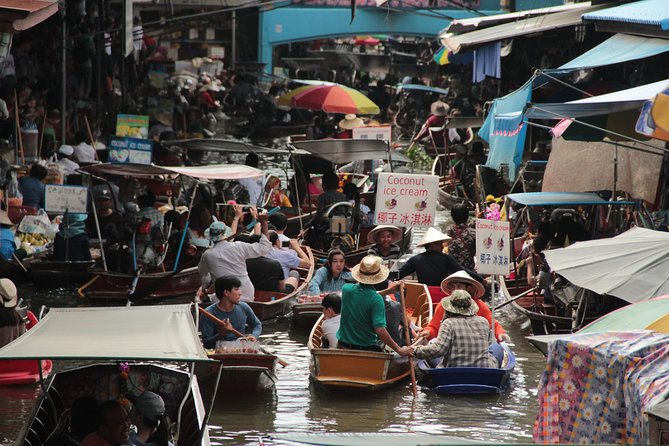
{"x": 341, "y": 369}
{"x": 469, "y": 380}
{"x": 306, "y": 314}
{"x": 271, "y": 304}
{"x": 16, "y": 372}
{"x": 60, "y": 273}
{"x": 451, "y": 191}
{"x": 241, "y": 373}
{"x": 145, "y": 337}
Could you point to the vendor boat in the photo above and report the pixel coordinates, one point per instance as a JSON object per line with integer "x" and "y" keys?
{"x": 340, "y": 369}
{"x": 60, "y": 273}
{"x": 241, "y": 372}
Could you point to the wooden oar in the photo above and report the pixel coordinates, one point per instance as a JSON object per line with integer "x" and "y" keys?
{"x": 407, "y": 340}
{"x": 213, "y": 318}
{"x": 514, "y": 299}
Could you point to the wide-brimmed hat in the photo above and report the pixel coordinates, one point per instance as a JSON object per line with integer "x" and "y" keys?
{"x": 66, "y": 150}
{"x": 350, "y": 121}
{"x": 8, "y": 296}
{"x": 217, "y": 231}
{"x": 370, "y": 270}
{"x": 460, "y": 302}
{"x": 164, "y": 117}
{"x": 4, "y": 219}
{"x": 150, "y": 405}
{"x": 394, "y": 230}
{"x": 462, "y": 277}
{"x": 439, "y": 108}
{"x": 433, "y": 235}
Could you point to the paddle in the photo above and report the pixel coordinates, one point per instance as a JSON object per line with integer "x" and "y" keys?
{"x": 514, "y": 299}
{"x": 213, "y": 318}
{"x": 407, "y": 339}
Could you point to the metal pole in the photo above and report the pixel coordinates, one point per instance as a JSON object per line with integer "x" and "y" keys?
{"x": 63, "y": 82}
{"x": 492, "y": 310}
{"x": 234, "y": 39}
{"x": 97, "y": 227}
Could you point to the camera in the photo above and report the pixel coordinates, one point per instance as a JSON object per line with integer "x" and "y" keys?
{"x": 285, "y": 244}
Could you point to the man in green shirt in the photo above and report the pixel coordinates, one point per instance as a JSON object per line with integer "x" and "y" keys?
{"x": 363, "y": 312}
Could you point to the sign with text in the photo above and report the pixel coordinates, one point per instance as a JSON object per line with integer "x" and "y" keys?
{"x": 382, "y": 133}
{"x": 492, "y": 247}
{"x": 130, "y": 150}
{"x": 61, "y": 199}
{"x": 134, "y": 126}
{"x": 406, "y": 199}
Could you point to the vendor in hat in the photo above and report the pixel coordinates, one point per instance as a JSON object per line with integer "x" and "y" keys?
{"x": 363, "y": 311}
{"x": 433, "y": 266}
{"x": 11, "y": 323}
{"x": 66, "y": 160}
{"x": 346, "y": 126}
{"x": 463, "y": 339}
{"x": 462, "y": 281}
{"x": 7, "y": 245}
{"x": 435, "y": 125}
{"x": 162, "y": 123}
{"x": 384, "y": 240}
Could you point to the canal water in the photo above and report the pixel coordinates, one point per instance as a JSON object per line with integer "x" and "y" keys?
{"x": 296, "y": 407}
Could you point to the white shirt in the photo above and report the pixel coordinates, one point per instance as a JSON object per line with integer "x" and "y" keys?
{"x": 330, "y": 328}
{"x": 68, "y": 166}
{"x": 229, "y": 259}
{"x": 84, "y": 153}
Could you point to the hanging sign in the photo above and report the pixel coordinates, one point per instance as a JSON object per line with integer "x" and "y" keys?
{"x": 135, "y": 126}
{"x": 59, "y": 199}
{"x": 381, "y": 132}
{"x": 492, "y": 247}
{"x": 406, "y": 199}
{"x": 130, "y": 150}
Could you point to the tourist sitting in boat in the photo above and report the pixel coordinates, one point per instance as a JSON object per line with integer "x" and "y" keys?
{"x": 147, "y": 211}
{"x": 32, "y": 186}
{"x": 199, "y": 220}
{"x": 66, "y": 160}
{"x": 433, "y": 266}
{"x": 384, "y": 240}
{"x": 331, "y": 194}
{"x": 289, "y": 259}
{"x": 435, "y": 125}
{"x": 463, "y": 281}
{"x": 266, "y": 273}
{"x": 228, "y": 258}
{"x": 346, "y": 126}
{"x": 538, "y": 269}
{"x": 253, "y": 186}
{"x": 331, "y": 277}
{"x": 279, "y": 223}
{"x": 331, "y": 319}
{"x": 463, "y": 339}
{"x": 153, "y": 425}
{"x": 11, "y": 323}
{"x": 235, "y": 315}
{"x": 7, "y": 244}
{"x": 113, "y": 426}
{"x": 363, "y": 312}
{"x": 71, "y": 242}
{"x": 364, "y": 216}
{"x": 462, "y": 246}
{"x": 275, "y": 195}
{"x": 111, "y": 222}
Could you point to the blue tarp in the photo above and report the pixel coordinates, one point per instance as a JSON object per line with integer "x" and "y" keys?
{"x": 505, "y": 131}
{"x": 561, "y": 199}
{"x": 645, "y": 12}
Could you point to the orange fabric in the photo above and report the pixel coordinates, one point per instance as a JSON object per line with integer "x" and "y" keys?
{"x": 484, "y": 311}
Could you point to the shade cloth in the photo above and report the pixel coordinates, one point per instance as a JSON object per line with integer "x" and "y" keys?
{"x": 224, "y": 145}
{"x": 645, "y": 12}
{"x": 633, "y": 266}
{"x": 557, "y": 199}
{"x": 159, "y": 332}
{"x": 596, "y": 388}
{"x": 342, "y": 151}
{"x": 219, "y": 172}
{"x": 576, "y": 166}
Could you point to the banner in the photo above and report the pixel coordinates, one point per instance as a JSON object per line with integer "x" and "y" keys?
{"x": 406, "y": 199}
{"x": 134, "y": 126}
{"x": 59, "y": 198}
{"x": 130, "y": 150}
{"x": 381, "y": 133}
{"x": 493, "y": 254}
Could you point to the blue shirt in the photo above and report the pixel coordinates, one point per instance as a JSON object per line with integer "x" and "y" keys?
{"x": 7, "y": 246}
{"x": 33, "y": 191}
{"x": 241, "y": 317}
{"x": 321, "y": 284}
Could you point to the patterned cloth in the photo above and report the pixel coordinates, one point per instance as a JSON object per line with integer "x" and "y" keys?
{"x": 462, "y": 341}
{"x": 596, "y": 387}
{"x": 462, "y": 247}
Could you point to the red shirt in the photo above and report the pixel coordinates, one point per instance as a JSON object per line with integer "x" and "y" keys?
{"x": 440, "y": 137}
{"x": 484, "y": 311}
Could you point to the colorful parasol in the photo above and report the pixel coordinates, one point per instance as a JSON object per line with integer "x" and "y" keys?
{"x": 286, "y": 100}
{"x": 331, "y": 99}
{"x": 441, "y": 56}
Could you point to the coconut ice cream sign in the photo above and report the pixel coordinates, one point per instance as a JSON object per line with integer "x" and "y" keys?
{"x": 493, "y": 252}
{"x": 406, "y": 199}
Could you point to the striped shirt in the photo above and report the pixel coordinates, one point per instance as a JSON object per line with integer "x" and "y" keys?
{"x": 320, "y": 283}
{"x": 394, "y": 253}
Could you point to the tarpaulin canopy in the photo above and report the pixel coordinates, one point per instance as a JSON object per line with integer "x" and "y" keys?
{"x": 224, "y": 145}
{"x": 558, "y": 199}
{"x": 342, "y": 151}
{"x": 158, "y": 332}
{"x": 19, "y": 15}
{"x": 219, "y": 172}
{"x": 629, "y": 99}
{"x": 419, "y": 87}
{"x": 647, "y": 17}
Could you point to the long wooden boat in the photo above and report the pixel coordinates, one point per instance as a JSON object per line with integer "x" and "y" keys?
{"x": 270, "y": 304}
{"x": 16, "y": 372}
{"x": 340, "y": 369}
{"x": 60, "y": 273}
{"x": 306, "y": 314}
{"x": 241, "y": 373}
{"x": 469, "y": 380}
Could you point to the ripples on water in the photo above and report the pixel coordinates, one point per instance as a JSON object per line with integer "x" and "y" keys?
{"x": 295, "y": 407}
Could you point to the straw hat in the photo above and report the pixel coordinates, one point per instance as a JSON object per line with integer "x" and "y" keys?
{"x": 439, "y": 108}
{"x": 370, "y": 270}
{"x": 460, "y": 302}
{"x": 394, "y": 230}
{"x": 164, "y": 117}
{"x": 433, "y": 235}
{"x": 217, "y": 231}
{"x": 4, "y": 219}
{"x": 462, "y": 277}
{"x": 350, "y": 121}
{"x": 8, "y": 295}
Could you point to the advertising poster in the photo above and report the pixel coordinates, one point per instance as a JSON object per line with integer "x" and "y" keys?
{"x": 406, "y": 199}
{"x": 134, "y": 126}
{"x": 492, "y": 247}
{"x": 381, "y": 132}
{"x": 130, "y": 150}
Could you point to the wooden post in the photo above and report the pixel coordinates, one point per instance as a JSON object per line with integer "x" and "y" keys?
{"x": 407, "y": 339}
{"x": 41, "y": 137}
{"x": 90, "y": 136}
{"x": 19, "y": 137}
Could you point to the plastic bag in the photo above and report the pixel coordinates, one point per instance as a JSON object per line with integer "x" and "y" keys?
{"x": 13, "y": 192}
{"x": 237, "y": 346}
{"x": 38, "y": 224}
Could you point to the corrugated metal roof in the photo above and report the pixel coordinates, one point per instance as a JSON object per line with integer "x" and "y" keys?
{"x": 644, "y": 12}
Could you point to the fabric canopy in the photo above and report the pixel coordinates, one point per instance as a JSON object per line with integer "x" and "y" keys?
{"x": 557, "y": 199}
{"x": 224, "y": 145}
{"x": 219, "y": 172}
{"x": 647, "y": 12}
{"x": 629, "y": 99}
{"x": 342, "y": 151}
{"x": 159, "y": 332}
{"x": 419, "y": 87}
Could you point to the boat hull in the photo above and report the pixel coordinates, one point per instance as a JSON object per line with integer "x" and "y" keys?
{"x": 56, "y": 273}
{"x": 16, "y": 372}
{"x": 307, "y": 314}
{"x": 241, "y": 373}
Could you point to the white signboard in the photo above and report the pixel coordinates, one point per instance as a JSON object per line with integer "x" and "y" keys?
{"x": 72, "y": 199}
{"x": 406, "y": 199}
{"x": 382, "y": 133}
{"x": 492, "y": 247}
